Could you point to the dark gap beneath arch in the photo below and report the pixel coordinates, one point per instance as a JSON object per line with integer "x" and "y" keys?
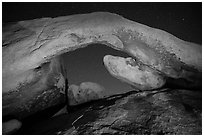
{"x": 86, "y": 65}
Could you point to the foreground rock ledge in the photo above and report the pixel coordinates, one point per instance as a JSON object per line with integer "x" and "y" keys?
{"x": 162, "y": 112}
{"x": 31, "y": 67}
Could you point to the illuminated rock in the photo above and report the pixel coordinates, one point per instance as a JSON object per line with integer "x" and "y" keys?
{"x": 32, "y": 76}
{"x": 85, "y": 92}
{"x": 133, "y": 73}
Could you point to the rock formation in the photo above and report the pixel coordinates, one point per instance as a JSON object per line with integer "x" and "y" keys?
{"x": 85, "y": 92}
{"x": 33, "y": 76}
{"x": 160, "y": 112}
{"x": 11, "y": 126}
{"x": 136, "y": 74}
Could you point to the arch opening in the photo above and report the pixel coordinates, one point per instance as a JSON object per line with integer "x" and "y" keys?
{"x": 86, "y": 65}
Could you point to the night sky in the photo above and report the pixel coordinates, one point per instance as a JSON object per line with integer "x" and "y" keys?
{"x": 183, "y": 20}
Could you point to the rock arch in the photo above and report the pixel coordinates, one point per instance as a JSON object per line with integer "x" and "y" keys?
{"x": 31, "y": 53}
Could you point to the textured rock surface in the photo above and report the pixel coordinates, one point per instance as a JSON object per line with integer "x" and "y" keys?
{"x": 158, "y": 112}
{"x": 42, "y": 92}
{"x": 85, "y": 92}
{"x": 31, "y": 72}
{"x": 134, "y": 73}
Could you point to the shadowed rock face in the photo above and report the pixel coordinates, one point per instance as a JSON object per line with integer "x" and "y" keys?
{"x": 173, "y": 112}
{"x": 32, "y": 72}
